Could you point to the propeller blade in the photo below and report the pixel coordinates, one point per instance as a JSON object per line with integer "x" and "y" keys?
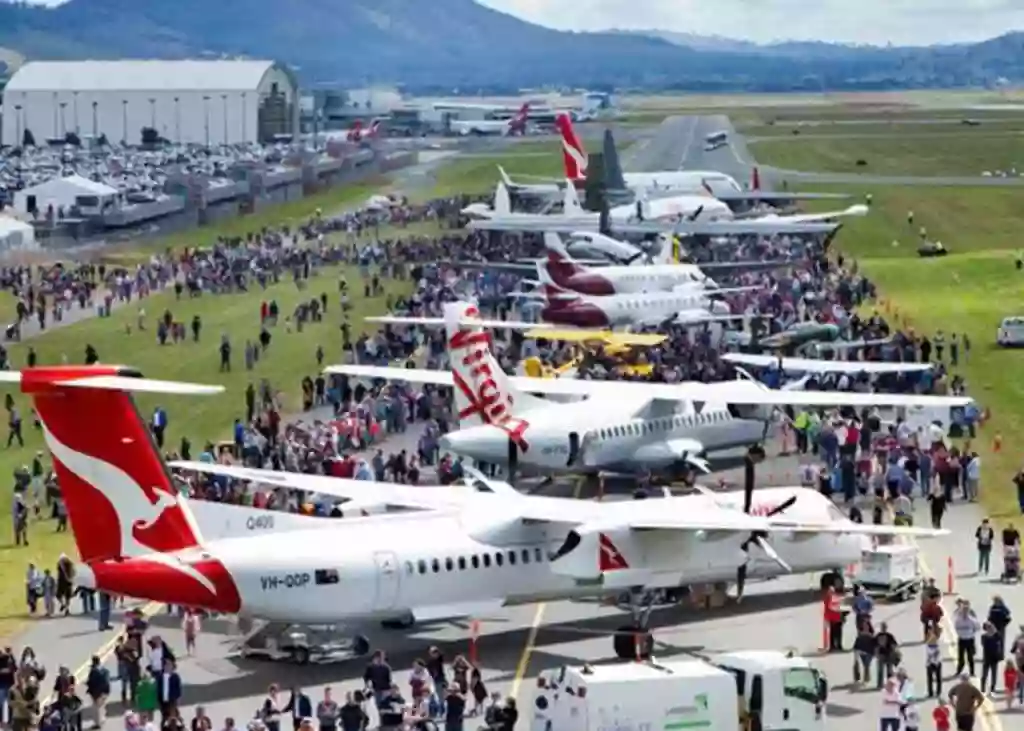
{"x": 701, "y": 464}
{"x": 773, "y": 555}
{"x": 741, "y": 581}
{"x": 781, "y": 507}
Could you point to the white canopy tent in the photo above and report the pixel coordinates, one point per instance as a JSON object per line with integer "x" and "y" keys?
{"x": 90, "y": 197}
{"x": 16, "y": 235}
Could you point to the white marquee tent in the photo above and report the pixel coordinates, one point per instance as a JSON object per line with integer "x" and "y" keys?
{"x": 16, "y": 235}
{"x": 88, "y": 195}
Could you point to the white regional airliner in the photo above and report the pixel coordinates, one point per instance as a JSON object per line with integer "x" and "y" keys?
{"x": 632, "y": 423}
{"x": 464, "y": 554}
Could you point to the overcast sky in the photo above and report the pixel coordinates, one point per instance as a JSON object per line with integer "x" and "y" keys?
{"x": 918, "y": 22}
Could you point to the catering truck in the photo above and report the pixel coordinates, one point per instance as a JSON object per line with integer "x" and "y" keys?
{"x": 720, "y": 693}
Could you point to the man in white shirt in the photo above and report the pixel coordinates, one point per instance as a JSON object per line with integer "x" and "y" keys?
{"x": 891, "y": 715}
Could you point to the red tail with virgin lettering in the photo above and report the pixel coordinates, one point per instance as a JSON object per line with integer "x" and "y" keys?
{"x": 483, "y": 392}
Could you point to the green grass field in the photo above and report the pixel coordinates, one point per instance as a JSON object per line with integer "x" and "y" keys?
{"x": 886, "y": 128}
{"x": 969, "y": 291}
{"x": 118, "y": 340}
{"x": 949, "y": 154}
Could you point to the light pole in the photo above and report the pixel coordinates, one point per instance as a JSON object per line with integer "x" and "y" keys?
{"x": 56, "y": 112}
{"x": 74, "y": 109}
{"x": 206, "y": 116}
{"x": 224, "y": 106}
{"x": 95, "y": 121}
{"x": 63, "y": 122}
{"x": 177, "y": 122}
{"x": 18, "y": 120}
{"x": 124, "y": 121}
{"x": 152, "y": 114}
{"x": 245, "y": 112}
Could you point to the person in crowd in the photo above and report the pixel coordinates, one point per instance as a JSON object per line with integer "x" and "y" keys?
{"x": 966, "y": 700}
{"x": 985, "y": 536}
{"x": 97, "y": 685}
{"x": 299, "y": 707}
{"x": 967, "y": 628}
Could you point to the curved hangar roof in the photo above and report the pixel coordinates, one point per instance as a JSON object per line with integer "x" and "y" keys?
{"x": 99, "y": 76}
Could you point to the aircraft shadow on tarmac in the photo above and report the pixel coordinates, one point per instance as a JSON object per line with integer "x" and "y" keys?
{"x": 500, "y": 650}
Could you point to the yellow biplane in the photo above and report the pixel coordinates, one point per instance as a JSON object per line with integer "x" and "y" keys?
{"x": 613, "y": 343}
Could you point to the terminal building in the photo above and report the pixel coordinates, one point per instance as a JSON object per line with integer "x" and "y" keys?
{"x": 186, "y": 102}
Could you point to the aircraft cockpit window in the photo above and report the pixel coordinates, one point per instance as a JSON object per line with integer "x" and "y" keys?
{"x": 326, "y": 577}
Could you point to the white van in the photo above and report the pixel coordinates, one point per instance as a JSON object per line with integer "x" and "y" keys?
{"x": 785, "y": 692}
{"x": 1011, "y": 332}
{"x": 690, "y": 694}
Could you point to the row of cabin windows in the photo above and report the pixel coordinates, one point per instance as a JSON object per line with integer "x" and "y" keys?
{"x": 486, "y": 560}
{"x": 637, "y": 429}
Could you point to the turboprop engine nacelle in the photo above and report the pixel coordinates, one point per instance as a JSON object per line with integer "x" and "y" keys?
{"x": 611, "y": 557}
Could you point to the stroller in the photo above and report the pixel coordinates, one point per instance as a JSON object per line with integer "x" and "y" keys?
{"x": 1011, "y": 564}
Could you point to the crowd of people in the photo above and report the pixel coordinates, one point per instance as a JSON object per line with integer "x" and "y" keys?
{"x": 871, "y": 458}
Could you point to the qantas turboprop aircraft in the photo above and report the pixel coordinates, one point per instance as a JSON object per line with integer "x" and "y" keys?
{"x": 137, "y": 536}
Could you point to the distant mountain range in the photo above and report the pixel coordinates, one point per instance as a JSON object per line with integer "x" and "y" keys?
{"x": 459, "y": 45}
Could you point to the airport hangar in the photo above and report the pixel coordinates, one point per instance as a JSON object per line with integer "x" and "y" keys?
{"x": 188, "y": 102}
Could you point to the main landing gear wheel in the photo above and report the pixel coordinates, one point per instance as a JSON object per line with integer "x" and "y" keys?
{"x": 360, "y": 646}
{"x": 632, "y": 643}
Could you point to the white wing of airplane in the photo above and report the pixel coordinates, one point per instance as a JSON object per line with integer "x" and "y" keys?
{"x": 812, "y": 365}
{"x": 858, "y": 209}
{"x": 580, "y": 515}
{"x": 740, "y": 392}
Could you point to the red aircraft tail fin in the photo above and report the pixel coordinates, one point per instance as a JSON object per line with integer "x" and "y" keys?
{"x": 119, "y": 495}
{"x": 573, "y": 155}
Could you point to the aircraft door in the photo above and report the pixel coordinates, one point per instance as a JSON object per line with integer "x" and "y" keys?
{"x": 388, "y": 579}
{"x": 574, "y": 448}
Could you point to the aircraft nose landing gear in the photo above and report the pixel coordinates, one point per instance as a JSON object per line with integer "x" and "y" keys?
{"x": 635, "y": 641}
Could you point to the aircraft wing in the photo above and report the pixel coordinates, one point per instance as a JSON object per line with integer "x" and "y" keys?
{"x": 813, "y": 365}
{"x": 502, "y": 266}
{"x": 849, "y": 527}
{"x": 421, "y": 498}
{"x": 534, "y": 223}
{"x": 740, "y": 392}
{"x": 747, "y": 266}
{"x": 440, "y": 322}
{"x": 855, "y": 210}
{"x": 589, "y": 515}
{"x": 768, "y": 196}
{"x": 742, "y": 227}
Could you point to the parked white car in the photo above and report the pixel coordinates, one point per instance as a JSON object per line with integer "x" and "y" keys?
{"x": 1011, "y": 332}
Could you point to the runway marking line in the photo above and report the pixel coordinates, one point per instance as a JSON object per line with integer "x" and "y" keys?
{"x": 531, "y": 638}
{"x": 990, "y": 721}
{"x": 106, "y": 649}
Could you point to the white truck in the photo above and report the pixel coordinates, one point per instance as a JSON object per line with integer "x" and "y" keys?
{"x": 721, "y": 693}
